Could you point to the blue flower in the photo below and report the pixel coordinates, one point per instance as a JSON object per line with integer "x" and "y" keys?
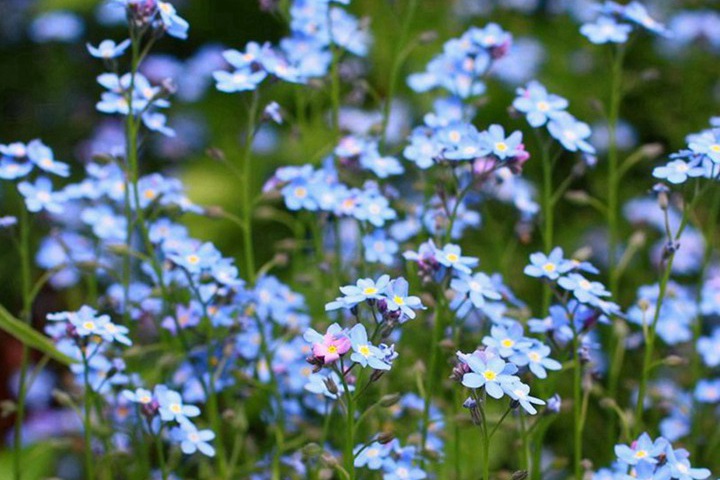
{"x": 41, "y": 155}
{"x": 364, "y": 352}
{"x": 708, "y": 391}
{"x": 364, "y": 289}
{"x": 191, "y": 439}
{"x": 707, "y": 143}
{"x": 372, "y": 456}
{"x": 536, "y": 358}
{"x": 679, "y": 465}
{"x": 548, "y": 266}
{"x": 583, "y": 289}
{"x": 12, "y": 168}
{"x": 644, "y": 449}
{"x": 537, "y": 104}
{"x": 495, "y": 142}
{"x": 488, "y": 374}
{"x": 402, "y": 469}
{"x": 40, "y": 196}
{"x": 157, "y": 122}
{"x": 451, "y": 256}
{"x": 379, "y": 248}
{"x": 570, "y": 132}
{"x": 477, "y": 287}
{"x": 174, "y": 24}
{"x": 374, "y": 208}
{"x": 520, "y": 392}
{"x": 171, "y": 407}
{"x": 678, "y": 171}
{"x": 506, "y": 340}
{"x": 108, "y": 49}
{"x": 398, "y": 299}
{"x": 239, "y": 80}
{"x": 709, "y": 348}
{"x": 606, "y": 30}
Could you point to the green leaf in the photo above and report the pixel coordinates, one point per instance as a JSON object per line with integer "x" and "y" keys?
{"x": 31, "y": 337}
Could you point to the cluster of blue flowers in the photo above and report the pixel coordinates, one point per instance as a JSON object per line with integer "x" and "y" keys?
{"x": 652, "y": 459}
{"x": 233, "y": 346}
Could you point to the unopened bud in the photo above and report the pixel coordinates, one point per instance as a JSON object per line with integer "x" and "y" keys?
{"x": 428, "y": 36}
{"x": 63, "y": 398}
{"x": 675, "y": 361}
{"x": 389, "y": 400}
{"x": 331, "y": 386}
{"x": 385, "y": 437}
{"x": 578, "y": 197}
{"x": 312, "y": 450}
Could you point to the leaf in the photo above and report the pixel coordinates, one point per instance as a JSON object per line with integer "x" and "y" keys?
{"x": 31, "y": 337}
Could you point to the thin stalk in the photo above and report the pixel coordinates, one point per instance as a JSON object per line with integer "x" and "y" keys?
{"x": 87, "y": 420}
{"x": 431, "y": 373}
{"x": 25, "y": 356}
{"x": 247, "y": 185}
{"x": 548, "y": 216}
{"x": 613, "y": 167}
{"x": 577, "y": 407}
{"x": 400, "y": 57}
{"x": 348, "y": 456}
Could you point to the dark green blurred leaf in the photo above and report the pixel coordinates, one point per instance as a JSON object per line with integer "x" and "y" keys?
{"x": 30, "y": 337}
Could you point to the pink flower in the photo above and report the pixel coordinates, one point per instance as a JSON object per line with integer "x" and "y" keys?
{"x": 331, "y": 346}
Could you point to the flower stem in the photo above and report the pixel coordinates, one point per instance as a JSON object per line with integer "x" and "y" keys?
{"x": 577, "y": 407}
{"x": 613, "y": 167}
{"x": 431, "y": 373}
{"x": 25, "y": 356}
{"x": 87, "y": 421}
{"x": 348, "y": 456}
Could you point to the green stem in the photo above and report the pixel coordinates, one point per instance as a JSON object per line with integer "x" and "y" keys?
{"x": 87, "y": 421}
{"x": 577, "y": 407}
{"x": 247, "y": 186}
{"x": 348, "y": 457}
{"x": 400, "y": 57}
{"x": 25, "y": 356}
{"x": 613, "y": 167}
{"x": 548, "y": 215}
{"x": 431, "y": 373}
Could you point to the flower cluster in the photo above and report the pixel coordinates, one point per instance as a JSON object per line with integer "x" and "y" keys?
{"x": 652, "y": 459}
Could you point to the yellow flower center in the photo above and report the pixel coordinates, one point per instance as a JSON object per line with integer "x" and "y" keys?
{"x": 549, "y": 267}
{"x": 641, "y": 454}
{"x": 398, "y": 300}
{"x": 193, "y": 259}
{"x": 534, "y": 356}
{"x": 715, "y": 148}
{"x": 489, "y": 375}
{"x": 501, "y": 146}
{"x": 454, "y": 136}
{"x": 584, "y": 284}
{"x": 89, "y": 325}
{"x": 370, "y": 291}
{"x": 507, "y": 343}
{"x": 452, "y": 258}
{"x": 543, "y": 106}
{"x": 145, "y": 399}
{"x": 175, "y": 408}
{"x": 364, "y": 350}
{"x": 301, "y": 192}
{"x": 332, "y": 349}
